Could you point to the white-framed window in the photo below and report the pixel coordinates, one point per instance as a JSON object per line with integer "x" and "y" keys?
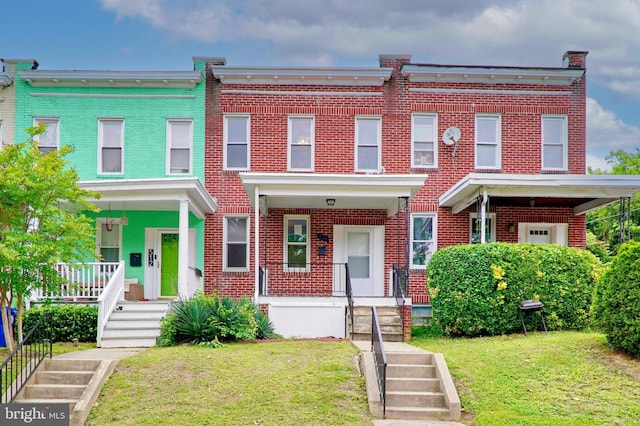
{"x": 423, "y": 239}
{"x": 301, "y": 143}
{"x": 424, "y": 147}
{"x": 296, "y": 243}
{"x": 488, "y": 141}
{"x": 236, "y": 142}
{"x": 235, "y": 236}
{"x": 474, "y": 228}
{"x": 368, "y": 142}
{"x": 109, "y": 239}
{"x": 111, "y": 145}
{"x": 554, "y": 142}
{"x": 179, "y": 146}
{"x": 50, "y": 140}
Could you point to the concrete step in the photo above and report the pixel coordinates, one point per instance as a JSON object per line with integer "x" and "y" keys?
{"x": 137, "y": 315}
{"x": 143, "y": 306}
{"x": 62, "y": 377}
{"x": 380, "y": 310}
{"x": 59, "y": 364}
{"x": 408, "y": 370}
{"x": 53, "y": 391}
{"x": 420, "y": 358}
{"x": 416, "y": 413}
{"x": 361, "y": 320}
{"x": 113, "y": 342}
{"x": 132, "y": 323}
{"x": 412, "y": 384}
{"x": 415, "y": 399}
{"x": 131, "y": 332}
{"x": 386, "y": 337}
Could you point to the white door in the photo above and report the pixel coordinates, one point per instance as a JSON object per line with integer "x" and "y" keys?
{"x": 359, "y": 257}
{"x": 539, "y": 236}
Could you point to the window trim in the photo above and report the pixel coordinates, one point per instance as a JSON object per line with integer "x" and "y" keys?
{"x": 565, "y": 141}
{"x": 286, "y": 243}
{"x": 497, "y": 143}
{"x": 434, "y": 237}
{"x": 435, "y": 140}
{"x": 312, "y": 142}
{"x": 225, "y": 136}
{"x": 47, "y": 119}
{"x": 492, "y": 230}
{"x": 225, "y": 242}
{"x": 169, "y": 133}
{"x": 102, "y": 221}
{"x": 378, "y": 145}
{"x": 101, "y": 121}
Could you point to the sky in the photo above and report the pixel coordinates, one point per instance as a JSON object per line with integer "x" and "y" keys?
{"x": 166, "y": 34}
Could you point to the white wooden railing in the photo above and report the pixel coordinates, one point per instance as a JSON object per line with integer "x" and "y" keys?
{"x": 111, "y": 295}
{"x": 85, "y": 282}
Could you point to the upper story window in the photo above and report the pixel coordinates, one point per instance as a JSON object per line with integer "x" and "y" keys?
{"x": 475, "y": 228}
{"x": 301, "y": 143}
{"x": 236, "y": 142}
{"x": 423, "y": 140}
{"x": 368, "y": 142}
{"x": 111, "y": 145}
{"x": 423, "y": 239}
{"x": 48, "y": 141}
{"x": 296, "y": 233}
{"x": 179, "y": 145}
{"x": 235, "y": 256}
{"x": 488, "y": 141}
{"x": 554, "y": 142}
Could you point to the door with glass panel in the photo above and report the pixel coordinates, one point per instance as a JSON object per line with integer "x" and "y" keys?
{"x": 359, "y": 256}
{"x": 169, "y": 265}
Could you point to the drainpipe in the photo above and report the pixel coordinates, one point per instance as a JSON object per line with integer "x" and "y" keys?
{"x": 483, "y": 216}
{"x": 256, "y": 244}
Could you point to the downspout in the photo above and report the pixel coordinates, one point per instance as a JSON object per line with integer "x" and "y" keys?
{"x": 256, "y": 244}
{"x": 483, "y": 217}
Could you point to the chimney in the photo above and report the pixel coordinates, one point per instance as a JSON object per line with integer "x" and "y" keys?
{"x": 575, "y": 59}
{"x": 395, "y": 61}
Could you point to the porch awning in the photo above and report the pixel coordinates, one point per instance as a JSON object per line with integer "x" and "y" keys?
{"x": 581, "y": 192}
{"x": 162, "y": 194}
{"x": 350, "y": 191}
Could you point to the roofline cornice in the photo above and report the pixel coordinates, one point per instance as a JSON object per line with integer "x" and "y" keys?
{"x": 149, "y": 79}
{"x": 491, "y": 75}
{"x": 302, "y": 76}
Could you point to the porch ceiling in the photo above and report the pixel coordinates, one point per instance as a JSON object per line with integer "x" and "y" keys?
{"x": 581, "y": 192}
{"x": 311, "y": 190}
{"x": 153, "y": 194}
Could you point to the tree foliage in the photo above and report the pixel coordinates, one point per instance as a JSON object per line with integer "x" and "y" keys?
{"x": 42, "y": 221}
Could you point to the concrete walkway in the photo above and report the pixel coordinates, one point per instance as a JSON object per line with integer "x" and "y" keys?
{"x": 101, "y": 354}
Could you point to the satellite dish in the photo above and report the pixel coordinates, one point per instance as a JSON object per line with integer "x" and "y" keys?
{"x": 451, "y": 136}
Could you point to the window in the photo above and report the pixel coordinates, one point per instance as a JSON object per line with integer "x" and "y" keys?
{"x": 423, "y": 140}
{"x": 111, "y": 146}
{"x": 554, "y": 142}
{"x": 423, "y": 239}
{"x": 488, "y": 141}
{"x": 474, "y": 228}
{"x": 47, "y": 141}
{"x": 109, "y": 239}
{"x": 368, "y": 139}
{"x": 179, "y": 142}
{"x": 236, "y": 142}
{"x": 236, "y": 242}
{"x": 296, "y": 233}
{"x": 301, "y": 143}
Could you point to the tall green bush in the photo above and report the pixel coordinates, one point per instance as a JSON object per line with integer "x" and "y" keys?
{"x": 617, "y": 305}
{"x": 67, "y": 322}
{"x": 475, "y": 289}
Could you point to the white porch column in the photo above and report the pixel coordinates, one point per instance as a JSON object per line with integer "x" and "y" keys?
{"x": 256, "y": 243}
{"x": 183, "y": 249}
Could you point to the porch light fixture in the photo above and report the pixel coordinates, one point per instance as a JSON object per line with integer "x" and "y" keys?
{"x": 331, "y": 201}
{"x": 109, "y": 224}
{"x": 511, "y": 227}
{"x": 532, "y": 201}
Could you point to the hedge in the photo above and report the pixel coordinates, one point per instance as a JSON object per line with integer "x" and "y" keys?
{"x": 68, "y": 322}
{"x": 475, "y": 289}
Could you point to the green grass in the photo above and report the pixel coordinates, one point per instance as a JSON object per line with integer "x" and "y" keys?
{"x": 566, "y": 378}
{"x": 271, "y": 383}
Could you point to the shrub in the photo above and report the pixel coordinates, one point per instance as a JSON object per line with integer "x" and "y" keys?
{"x": 475, "y": 289}
{"x": 207, "y": 319}
{"x": 617, "y": 305}
{"x": 67, "y": 322}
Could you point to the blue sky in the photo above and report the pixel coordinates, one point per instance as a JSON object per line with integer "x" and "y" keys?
{"x": 166, "y": 34}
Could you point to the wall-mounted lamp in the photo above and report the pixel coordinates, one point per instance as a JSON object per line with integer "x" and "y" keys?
{"x": 331, "y": 201}
{"x": 109, "y": 224}
{"x": 511, "y": 227}
{"x": 532, "y": 201}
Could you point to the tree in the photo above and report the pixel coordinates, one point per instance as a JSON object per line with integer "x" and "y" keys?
{"x": 42, "y": 222}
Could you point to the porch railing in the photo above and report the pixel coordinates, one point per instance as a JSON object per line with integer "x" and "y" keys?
{"x": 83, "y": 282}
{"x": 23, "y": 361}
{"x": 380, "y": 358}
{"x": 302, "y": 279}
{"x": 111, "y": 295}
{"x": 349, "y": 295}
{"x": 399, "y": 278}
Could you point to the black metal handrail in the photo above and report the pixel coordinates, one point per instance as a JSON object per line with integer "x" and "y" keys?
{"x": 276, "y": 277}
{"x": 349, "y": 291}
{"x": 380, "y": 358}
{"x": 399, "y": 276}
{"x": 25, "y": 359}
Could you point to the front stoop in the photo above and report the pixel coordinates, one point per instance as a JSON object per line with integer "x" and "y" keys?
{"x": 390, "y": 323}
{"x": 134, "y": 325}
{"x": 419, "y": 386}
{"x": 67, "y": 381}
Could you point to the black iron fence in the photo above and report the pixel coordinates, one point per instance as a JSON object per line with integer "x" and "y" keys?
{"x": 25, "y": 359}
{"x": 302, "y": 279}
{"x": 400, "y": 278}
{"x": 380, "y": 358}
{"x": 349, "y": 295}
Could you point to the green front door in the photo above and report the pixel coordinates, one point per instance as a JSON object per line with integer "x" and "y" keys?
{"x": 169, "y": 266}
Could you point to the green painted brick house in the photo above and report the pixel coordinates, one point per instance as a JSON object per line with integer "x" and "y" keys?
{"x": 138, "y": 139}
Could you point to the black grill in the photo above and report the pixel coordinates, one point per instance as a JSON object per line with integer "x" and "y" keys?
{"x": 527, "y": 306}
